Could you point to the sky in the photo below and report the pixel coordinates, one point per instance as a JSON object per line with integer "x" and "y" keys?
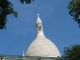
{"x": 58, "y": 26}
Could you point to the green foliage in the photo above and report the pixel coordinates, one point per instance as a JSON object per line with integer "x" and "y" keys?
{"x": 74, "y": 10}
{"x": 26, "y": 1}
{"x": 6, "y": 8}
{"x": 72, "y": 51}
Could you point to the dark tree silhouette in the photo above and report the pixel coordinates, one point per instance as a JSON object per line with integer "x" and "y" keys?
{"x": 6, "y": 8}
{"x": 26, "y": 1}
{"x": 72, "y": 51}
{"x": 74, "y": 10}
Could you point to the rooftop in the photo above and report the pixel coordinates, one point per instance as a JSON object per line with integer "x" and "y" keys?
{"x": 16, "y": 57}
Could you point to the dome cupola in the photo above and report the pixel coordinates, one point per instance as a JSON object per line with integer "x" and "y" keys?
{"x": 42, "y": 46}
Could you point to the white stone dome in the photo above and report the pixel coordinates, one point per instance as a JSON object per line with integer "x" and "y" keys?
{"x": 42, "y": 46}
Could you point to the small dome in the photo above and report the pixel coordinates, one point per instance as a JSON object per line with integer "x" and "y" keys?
{"x": 38, "y": 21}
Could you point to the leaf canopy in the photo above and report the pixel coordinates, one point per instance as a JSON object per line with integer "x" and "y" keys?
{"x": 74, "y": 10}
{"x": 72, "y": 51}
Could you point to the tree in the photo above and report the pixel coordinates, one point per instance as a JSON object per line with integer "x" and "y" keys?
{"x": 72, "y": 51}
{"x": 26, "y": 1}
{"x": 6, "y": 8}
{"x": 74, "y": 10}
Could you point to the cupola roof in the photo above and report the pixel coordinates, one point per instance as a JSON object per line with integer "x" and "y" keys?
{"x": 42, "y": 46}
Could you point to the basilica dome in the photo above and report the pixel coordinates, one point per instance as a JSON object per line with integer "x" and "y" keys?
{"x": 42, "y": 46}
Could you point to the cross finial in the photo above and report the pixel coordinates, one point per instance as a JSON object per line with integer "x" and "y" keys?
{"x": 38, "y": 15}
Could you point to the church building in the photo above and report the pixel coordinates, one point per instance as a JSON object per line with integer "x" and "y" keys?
{"x": 42, "y": 46}
{"x": 40, "y": 49}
